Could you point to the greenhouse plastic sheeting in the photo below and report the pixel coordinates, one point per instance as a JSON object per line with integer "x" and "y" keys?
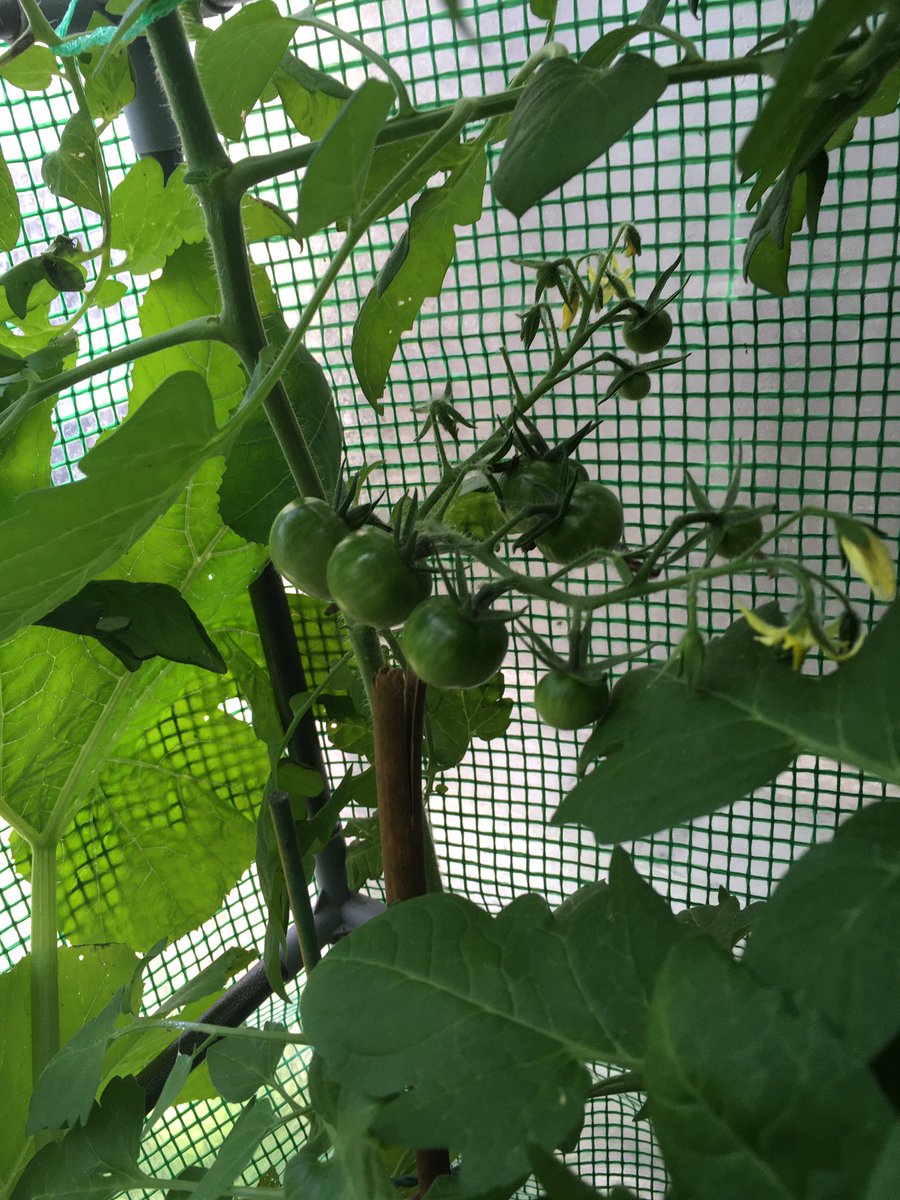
{"x": 799, "y": 387}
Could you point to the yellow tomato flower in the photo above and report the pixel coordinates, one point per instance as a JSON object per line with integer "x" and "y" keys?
{"x": 623, "y": 274}
{"x": 570, "y": 311}
{"x": 797, "y": 637}
{"x": 868, "y": 556}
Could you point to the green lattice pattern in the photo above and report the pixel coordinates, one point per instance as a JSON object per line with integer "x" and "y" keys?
{"x": 802, "y": 386}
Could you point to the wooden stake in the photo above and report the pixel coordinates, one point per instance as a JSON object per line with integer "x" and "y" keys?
{"x": 398, "y": 711}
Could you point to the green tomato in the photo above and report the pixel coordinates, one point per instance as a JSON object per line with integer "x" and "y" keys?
{"x": 644, "y": 335}
{"x": 738, "y": 538}
{"x": 538, "y": 481}
{"x": 371, "y": 582}
{"x": 567, "y": 702}
{"x": 635, "y": 387}
{"x": 593, "y": 521}
{"x": 301, "y": 540}
{"x": 448, "y": 647}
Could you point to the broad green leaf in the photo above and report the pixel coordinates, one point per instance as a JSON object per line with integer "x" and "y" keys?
{"x": 567, "y": 119}
{"x": 137, "y": 621}
{"x": 240, "y": 1066}
{"x": 414, "y": 270}
{"x": 455, "y": 718}
{"x": 64, "y": 1093}
{"x": 10, "y": 217}
{"x": 390, "y": 159}
{"x": 108, "y": 85}
{"x": 244, "y": 1136}
{"x": 725, "y": 922}
{"x": 33, "y": 70}
{"x": 335, "y": 177}
{"x": 884, "y": 1182}
{"x": 605, "y": 49}
{"x": 151, "y": 218}
{"x": 88, "y": 977}
{"x": 96, "y": 1161}
{"x": 21, "y": 280}
{"x": 111, "y": 293}
{"x": 164, "y": 828}
{"x": 748, "y": 1099}
{"x": 511, "y": 1008}
{"x": 844, "y": 896}
{"x": 238, "y": 59}
{"x": 72, "y": 170}
{"x": 354, "y": 1169}
{"x": 767, "y": 254}
{"x": 262, "y": 220}
{"x": 544, "y": 10}
{"x": 783, "y": 115}
{"x": 187, "y": 288}
{"x": 55, "y": 540}
{"x": 311, "y": 99}
{"x": 257, "y": 482}
{"x": 363, "y": 860}
{"x": 671, "y": 753}
{"x": 25, "y": 454}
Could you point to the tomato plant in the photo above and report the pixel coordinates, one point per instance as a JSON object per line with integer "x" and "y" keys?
{"x": 592, "y": 520}
{"x": 645, "y": 334}
{"x": 450, "y": 647}
{"x": 371, "y": 581}
{"x": 176, "y": 722}
{"x": 566, "y": 702}
{"x": 303, "y": 535}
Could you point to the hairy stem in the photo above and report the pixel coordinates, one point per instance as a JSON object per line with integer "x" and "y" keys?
{"x": 295, "y": 877}
{"x": 208, "y": 170}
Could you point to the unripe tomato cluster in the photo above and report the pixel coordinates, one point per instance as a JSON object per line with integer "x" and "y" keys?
{"x": 451, "y": 642}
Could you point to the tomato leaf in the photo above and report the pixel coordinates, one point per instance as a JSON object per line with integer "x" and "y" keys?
{"x": 55, "y": 540}
{"x": 844, "y": 895}
{"x": 577, "y": 988}
{"x": 567, "y": 119}
{"x": 88, "y": 977}
{"x": 64, "y": 1093}
{"x": 454, "y": 718}
{"x": 10, "y": 217}
{"x": 238, "y": 59}
{"x": 257, "y": 482}
{"x": 390, "y": 159}
{"x": 96, "y": 1161}
{"x": 240, "y": 1066}
{"x": 354, "y": 1169}
{"x": 33, "y": 70}
{"x": 414, "y": 270}
{"x": 748, "y": 1098}
{"x": 151, "y": 217}
{"x": 725, "y": 921}
{"x": 72, "y": 171}
{"x": 311, "y": 99}
{"x": 137, "y": 621}
{"x": 108, "y": 82}
{"x": 671, "y": 753}
{"x": 784, "y": 114}
{"x": 335, "y": 177}
{"x": 243, "y": 1137}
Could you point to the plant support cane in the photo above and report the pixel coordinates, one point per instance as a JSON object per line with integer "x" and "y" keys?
{"x": 398, "y": 711}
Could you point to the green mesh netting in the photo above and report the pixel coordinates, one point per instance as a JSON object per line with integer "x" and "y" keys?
{"x": 800, "y": 386}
